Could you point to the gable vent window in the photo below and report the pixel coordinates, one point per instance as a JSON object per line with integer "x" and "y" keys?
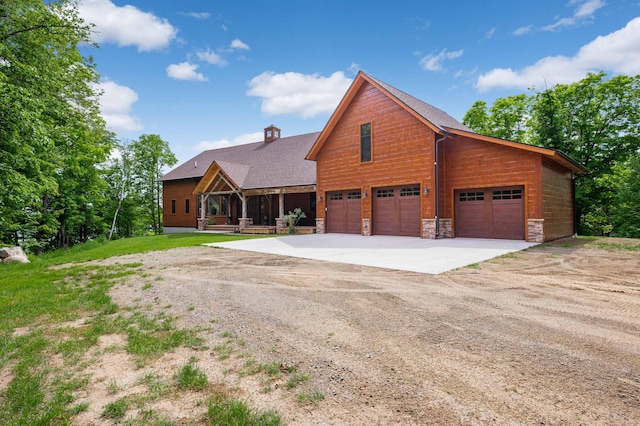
{"x": 384, "y": 193}
{"x": 410, "y": 191}
{"x": 509, "y": 194}
{"x": 335, "y": 197}
{"x": 365, "y": 143}
{"x": 471, "y": 196}
{"x": 353, "y": 195}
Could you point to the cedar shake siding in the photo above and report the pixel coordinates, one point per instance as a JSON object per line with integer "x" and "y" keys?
{"x": 179, "y": 191}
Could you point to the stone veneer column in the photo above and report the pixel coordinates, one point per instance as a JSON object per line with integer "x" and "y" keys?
{"x": 445, "y": 228}
{"x": 535, "y": 229}
{"x": 428, "y": 229}
{"x": 245, "y": 222}
{"x": 280, "y": 224}
{"x": 319, "y": 225}
{"x": 366, "y": 227}
{"x": 202, "y": 224}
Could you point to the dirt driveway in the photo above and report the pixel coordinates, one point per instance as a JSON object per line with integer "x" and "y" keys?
{"x": 546, "y": 336}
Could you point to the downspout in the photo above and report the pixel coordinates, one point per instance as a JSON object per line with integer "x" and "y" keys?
{"x": 444, "y": 136}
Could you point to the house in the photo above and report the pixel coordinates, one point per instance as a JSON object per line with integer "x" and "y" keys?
{"x": 387, "y": 163}
{"x": 244, "y": 185}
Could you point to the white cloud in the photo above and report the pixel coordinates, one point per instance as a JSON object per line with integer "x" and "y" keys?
{"x": 522, "y": 30}
{"x": 211, "y": 57}
{"x": 185, "y": 71}
{"x": 237, "y": 44}
{"x": 435, "y": 62}
{"x": 617, "y": 52}
{"x": 222, "y": 143}
{"x": 197, "y": 15}
{"x": 304, "y": 95}
{"x": 116, "y": 102}
{"x": 583, "y": 13}
{"x": 126, "y": 25}
{"x": 490, "y": 33}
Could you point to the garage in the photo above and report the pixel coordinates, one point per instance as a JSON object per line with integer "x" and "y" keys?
{"x": 490, "y": 213}
{"x": 344, "y": 211}
{"x": 396, "y": 211}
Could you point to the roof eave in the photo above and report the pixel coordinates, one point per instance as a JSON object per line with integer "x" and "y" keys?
{"x": 556, "y": 155}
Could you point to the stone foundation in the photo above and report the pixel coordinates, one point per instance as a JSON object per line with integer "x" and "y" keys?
{"x": 202, "y": 224}
{"x": 245, "y": 222}
{"x": 445, "y": 228}
{"x": 366, "y": 227}
{"x": 428, "y": 229}
{"x": 535, "y": 228}
{"x": 319, "y": 225}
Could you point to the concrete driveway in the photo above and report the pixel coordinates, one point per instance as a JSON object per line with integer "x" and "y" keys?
{"x": 402, "y": 253}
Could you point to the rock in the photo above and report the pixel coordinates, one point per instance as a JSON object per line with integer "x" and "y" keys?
{"x": 15, "y": 254}
{"x": 5, "y": 252}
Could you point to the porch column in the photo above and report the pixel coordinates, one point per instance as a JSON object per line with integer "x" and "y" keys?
{"x": 244, "y": 221}
{"x": 202, "y": 221}
{"x": 281, "y": 205}
{"x": 244, "y": 206}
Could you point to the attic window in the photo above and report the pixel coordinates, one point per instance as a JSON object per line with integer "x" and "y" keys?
{"x": 365, "y": 143}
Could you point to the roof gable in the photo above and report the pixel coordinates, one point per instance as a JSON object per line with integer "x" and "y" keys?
{"x": 429, "y": 115}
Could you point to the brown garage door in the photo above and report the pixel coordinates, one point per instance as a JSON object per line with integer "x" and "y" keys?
{"x": 490, "y": 213}
{"x": 344, "y": 211}
{"x": 396, "y": 211}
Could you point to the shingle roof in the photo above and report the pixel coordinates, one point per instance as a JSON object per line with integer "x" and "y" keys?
{"x": 435, "y": 116}
{"x": 257, "y": 165}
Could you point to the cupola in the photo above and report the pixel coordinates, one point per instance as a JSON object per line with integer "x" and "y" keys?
{"x": 271, "y": 133}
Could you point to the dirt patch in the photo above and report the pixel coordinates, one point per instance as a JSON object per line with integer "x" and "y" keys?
{"x": 546, "y": 336}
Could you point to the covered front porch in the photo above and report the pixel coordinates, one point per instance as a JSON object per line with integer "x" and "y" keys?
{"x": 225, "y": 206}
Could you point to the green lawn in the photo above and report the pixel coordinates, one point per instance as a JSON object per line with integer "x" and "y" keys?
{"x": 37, "y": 300}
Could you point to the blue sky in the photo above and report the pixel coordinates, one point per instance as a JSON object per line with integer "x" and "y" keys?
{"x": 207, "y": 74}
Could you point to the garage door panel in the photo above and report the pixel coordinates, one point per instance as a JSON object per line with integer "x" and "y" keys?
{"x": 410, "y": 215}
{"x": 396, "y": 211}
{"x": 344, "y": 211}
{"x": 490, "y": 213}
{"x": 384, "y": 214}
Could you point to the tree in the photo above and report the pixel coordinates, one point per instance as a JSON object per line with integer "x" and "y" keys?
{"x": 505, "y": 119}
{"x": 119, "y": 175}
{"x": 151, "y": 155}
{"x": 51, "y": 133}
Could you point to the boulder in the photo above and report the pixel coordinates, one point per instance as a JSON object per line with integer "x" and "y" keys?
{"x": 5, "y": 252}
{"x": 15, "y": 254}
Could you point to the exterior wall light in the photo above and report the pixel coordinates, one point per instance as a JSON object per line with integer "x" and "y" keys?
{"x": 425, "y": 191}
{"x": 319, "y": 197}
{"x": 365, "y": 195}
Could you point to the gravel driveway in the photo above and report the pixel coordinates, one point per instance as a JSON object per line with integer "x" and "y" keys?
{"x": 550, "y": 335}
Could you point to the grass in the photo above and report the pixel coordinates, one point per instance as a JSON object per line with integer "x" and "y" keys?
{"x": 296, "y": 379}
{"x": 189, "y": 376}
{"x": 237, "y": 412}
{"x": 51, "y": 311}
{"x": 311, "y": 397}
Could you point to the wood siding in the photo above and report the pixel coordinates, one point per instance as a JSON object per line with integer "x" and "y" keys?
{"x": 180, "y": 191}
{"x": 557, "y": 189}
{"x": 402, "y": 151}
{"x": 468, "y": 163}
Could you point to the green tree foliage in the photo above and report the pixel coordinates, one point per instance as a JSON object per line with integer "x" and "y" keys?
{"x": 51, "y": 133}
{"x": 151, "y": 155}
{"x": 505, "y": 119}
{"x": 596, "y": 121}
